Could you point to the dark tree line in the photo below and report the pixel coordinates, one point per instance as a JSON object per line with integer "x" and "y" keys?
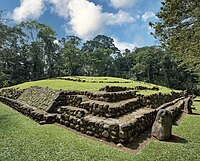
{"x": 30, "y": 51}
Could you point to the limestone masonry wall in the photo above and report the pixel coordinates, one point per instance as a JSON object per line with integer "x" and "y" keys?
{"x": 30, "y": 111}
{"x": 118, "y": 116}
{"x": 12, "y": 93}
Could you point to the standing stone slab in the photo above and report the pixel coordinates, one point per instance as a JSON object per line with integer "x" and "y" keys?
{"x": 188, "y": 105}
{"x": 162, "y": 126}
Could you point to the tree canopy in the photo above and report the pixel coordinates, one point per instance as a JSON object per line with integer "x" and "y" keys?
{"x": 179, "y": 31}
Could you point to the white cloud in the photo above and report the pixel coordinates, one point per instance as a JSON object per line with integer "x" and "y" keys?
{"x": 124, "y": 45}
{"x": 87, "y": 19}
{"x": 123, "y": 3}
{"x": 147, "y": 15}
{"x": 29, "y": 9}
{"x": 83, "y": 18}
{"x": 60, "y": 7}
{"x": 119, "y": 18}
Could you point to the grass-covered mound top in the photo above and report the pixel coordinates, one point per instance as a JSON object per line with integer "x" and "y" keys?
{"x": 91, "y": 84}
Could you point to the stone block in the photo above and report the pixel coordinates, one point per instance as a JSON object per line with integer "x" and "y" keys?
{"x": 162, "y": 126}
{"x": 188, "y": 105}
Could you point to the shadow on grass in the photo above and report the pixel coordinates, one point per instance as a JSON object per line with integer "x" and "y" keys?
{"x": 145, "y": 138}
{"x": 140, "y": 142}
{"x": 177, "y": 139}
{"x": 194, "y": 113}
{"x": 176, "y": 121}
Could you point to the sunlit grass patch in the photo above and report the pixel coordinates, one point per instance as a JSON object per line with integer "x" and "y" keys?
{"x": 58, "y": 84}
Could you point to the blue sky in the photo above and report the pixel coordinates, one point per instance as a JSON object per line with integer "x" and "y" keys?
{"x": 126, "y": 21}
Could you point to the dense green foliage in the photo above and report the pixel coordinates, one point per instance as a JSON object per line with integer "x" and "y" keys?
{"x": 179, "y": 31}
{"x": 152, "y": 64}
{"x": 23, "y": 139}
{"x": 30, "y": 51}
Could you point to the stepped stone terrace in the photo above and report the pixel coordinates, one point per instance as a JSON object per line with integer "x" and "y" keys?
{"x": 116, "y": 114}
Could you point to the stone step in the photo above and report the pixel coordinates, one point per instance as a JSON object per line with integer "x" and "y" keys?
{"x": 131, "y": 117}
{"x": 176, "y": 108}
{"x": 112, "y": 96}
{"x": 109, "y": 109}
{"x": 74, "y": 111}
{"x": 123, "y": 129}
{"x": 125, "y": 119}
{"x": 72, "y": 100}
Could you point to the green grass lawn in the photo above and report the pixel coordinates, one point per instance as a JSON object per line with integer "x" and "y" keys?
{"x": 22, "y": 139}
{"x": 87, "y": 86}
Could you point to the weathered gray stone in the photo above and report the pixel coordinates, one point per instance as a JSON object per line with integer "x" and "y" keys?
{"x": 113, "y": 138}
{"x": 114, "y": 133}
{"x": 188, "y": 105}
{"x": 12, "y": 93}
{"x": 90, "y": 133}
{"x": 123, "y": 134}
{"x": 162, "y": 126}
{"x": 42, "y": 122}
{"x": 77, "y": 127}
{"x": 72, "y": 125}
{"x": 50, "y": 118}
{"x": 113, "y": 126}
{"x": 105, "y": 134}
{"x": 119, "y": 145}
{"x": 67, "y": 123}
{"x": 97, "y": 135}
{"x": 83, "y": 130}
{"x": 65, "y": 117}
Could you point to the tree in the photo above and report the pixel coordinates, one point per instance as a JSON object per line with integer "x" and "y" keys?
{"x": 178, "y": 31}
{"x": 48, "y": 36}
{"x": 39, "y": 40}
{"x": 147, "y": 64}
{"x": 10, "y": 39}
{"x": 99, "y": 63}
{"x": 71, "y": 56}
{"x": 123, "y": 63}
{"x": 155, "y": 65}
{"x": 100, "y": 53}
{"x": 100, "y": 42}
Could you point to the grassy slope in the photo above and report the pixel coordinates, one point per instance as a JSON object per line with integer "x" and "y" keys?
{"x": 87, "y": 86}
{"x": 22, "y": 139}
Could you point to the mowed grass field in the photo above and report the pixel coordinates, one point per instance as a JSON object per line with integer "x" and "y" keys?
{"x": 58, "y": 84}
{"x": 22, "y": 139}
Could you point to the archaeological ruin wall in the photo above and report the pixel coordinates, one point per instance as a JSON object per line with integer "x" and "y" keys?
{"x": 115, "y": 114}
